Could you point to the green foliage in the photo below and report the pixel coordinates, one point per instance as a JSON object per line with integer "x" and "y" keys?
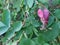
{"x": 57, "y": 11}
{"x": 27, "y": 42}
{"x": 30, "y": 3}
{"x": 20, "y": 25}
{"x": 5, "y": 24}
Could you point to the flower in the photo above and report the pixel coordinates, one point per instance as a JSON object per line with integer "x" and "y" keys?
{"x": 44, "y": 16}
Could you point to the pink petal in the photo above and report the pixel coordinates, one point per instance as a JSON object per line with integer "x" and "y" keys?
{"x": 46, "y": 14}
{"x": 40, "y": 13}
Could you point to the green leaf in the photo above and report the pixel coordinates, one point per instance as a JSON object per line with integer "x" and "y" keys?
{"x": 41, "y": 39}
{"x": 17, "y": 26}
{"x": 1, "y": 24}
{"x": 59, "y": 24}
{"x": 17, "y": 3}
{"x": 6, "y": 17}
{"x": 11, "y": 33}
{"x": 51, "y": 34}
{"x": 57, "y": 13}
{"x": 3, "y": 30}
{"x": 5, "y": 24}
{"x": 27, "y": 42}
{"x": 30, "y": 3}
{"x": 56, "y": 2}
{"x": 10, "y": 42}
{"x": 28, "y": 30}
{"x": 36, "y": 41}
{"x": 45, "y": 44}
{"x": 35, "y": 23}
{"x": 18, "y": 35}
{"x": 43, "y": 1}
{"x": 2, "y": 2}
{"x": 51, "y": 20}
{"x": 35, "y": 31}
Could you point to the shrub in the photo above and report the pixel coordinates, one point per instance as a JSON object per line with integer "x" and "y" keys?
{"x": 20, "y": 24}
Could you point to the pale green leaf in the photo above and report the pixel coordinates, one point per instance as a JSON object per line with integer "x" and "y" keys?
{"x": 30, "y": 3}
